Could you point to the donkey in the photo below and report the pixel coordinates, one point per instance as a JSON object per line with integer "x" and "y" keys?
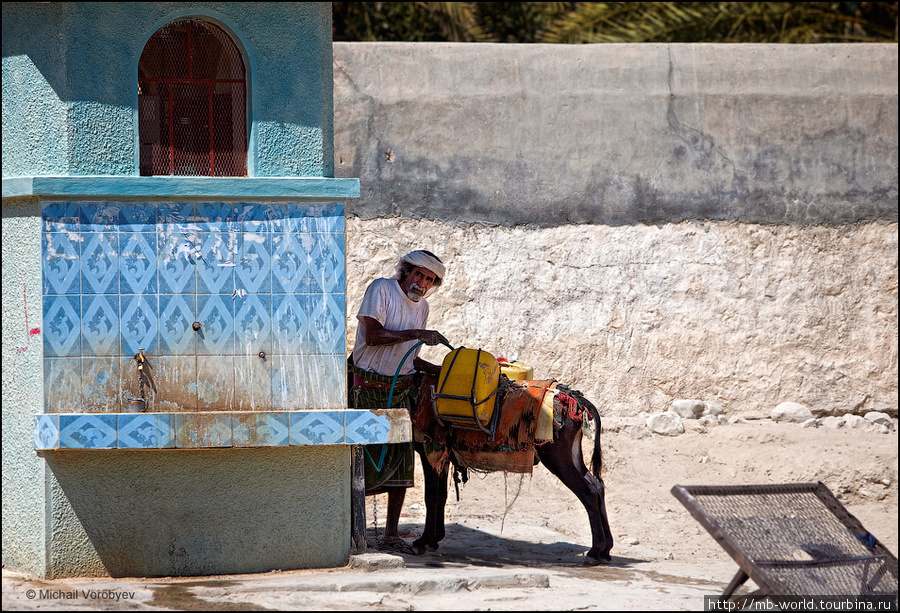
{"x": 562, "y": 457}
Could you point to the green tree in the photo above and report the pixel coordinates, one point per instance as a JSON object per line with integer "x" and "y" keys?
{"x": 621, "y": 22}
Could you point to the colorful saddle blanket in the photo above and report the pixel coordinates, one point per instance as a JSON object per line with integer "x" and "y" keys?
{"x": 526, "y": 419}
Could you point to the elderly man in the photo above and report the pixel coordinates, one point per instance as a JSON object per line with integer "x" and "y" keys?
{"x": 392, "y": 319}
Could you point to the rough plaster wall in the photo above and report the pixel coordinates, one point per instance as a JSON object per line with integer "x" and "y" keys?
{"x": 24, "y": 496}
{"x": 745, "y": 315}
{"x": 202, "y": 512}
{"x": 644, "y": 222}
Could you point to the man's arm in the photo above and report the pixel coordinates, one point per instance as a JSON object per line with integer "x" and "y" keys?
{"x": 376, "y": 334}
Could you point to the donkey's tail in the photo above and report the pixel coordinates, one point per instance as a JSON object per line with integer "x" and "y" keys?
{"x": 597, "y": 455}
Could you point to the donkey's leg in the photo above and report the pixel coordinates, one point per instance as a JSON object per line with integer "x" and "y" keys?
{"x": 435, "y": 503}
{"x": 563, "y": 458}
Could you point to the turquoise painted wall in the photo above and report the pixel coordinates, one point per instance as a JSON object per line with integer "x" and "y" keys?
{"x": 64, "y": 115}
{"x": 70, "y": 119}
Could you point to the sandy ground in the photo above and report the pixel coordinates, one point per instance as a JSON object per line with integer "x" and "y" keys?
{"x": 518, "y": 542}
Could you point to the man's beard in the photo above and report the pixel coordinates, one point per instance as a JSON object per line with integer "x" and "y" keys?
{"x": 413, "y": 295}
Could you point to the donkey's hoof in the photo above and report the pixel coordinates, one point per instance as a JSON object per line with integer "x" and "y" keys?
{"x": 592, "y": 561}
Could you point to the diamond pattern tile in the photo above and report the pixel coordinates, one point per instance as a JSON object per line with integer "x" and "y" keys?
{"x": 261, "y": 429}
{"x": 263, "y": 278}
{"x": 96, "y": 431}
{"x": 146, "y": 431}
{"x": 46, "y": 432}
{"x": 317, "y": 428}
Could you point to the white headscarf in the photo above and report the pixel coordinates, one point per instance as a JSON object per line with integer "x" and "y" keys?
{"x": 425, "y": 260}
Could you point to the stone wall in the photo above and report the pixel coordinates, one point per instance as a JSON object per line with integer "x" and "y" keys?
{"x": 643, "y": 222}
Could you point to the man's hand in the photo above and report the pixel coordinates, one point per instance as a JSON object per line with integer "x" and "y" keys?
{"x": 432, "y": 337}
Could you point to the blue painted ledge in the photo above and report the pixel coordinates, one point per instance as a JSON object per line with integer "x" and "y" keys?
{"x": 201, "y": 187}
{"x": 61, "y": 431}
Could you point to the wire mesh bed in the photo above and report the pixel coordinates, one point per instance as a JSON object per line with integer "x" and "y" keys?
{"x": 792, "y": 540}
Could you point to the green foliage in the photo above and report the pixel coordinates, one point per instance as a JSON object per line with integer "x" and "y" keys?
{"x": 616, "y": 22}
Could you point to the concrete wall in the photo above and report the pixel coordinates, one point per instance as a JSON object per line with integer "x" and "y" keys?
{"x": 24, "y": 473}
{"x": 643, "y": 222}
{"x": 152, "y": 516}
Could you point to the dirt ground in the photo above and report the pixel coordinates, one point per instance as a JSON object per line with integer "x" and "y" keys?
{"x": 517, "y": 542}
{"x": 859, "y": 467}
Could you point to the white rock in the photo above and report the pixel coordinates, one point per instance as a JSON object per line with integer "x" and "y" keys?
{"x": 737, "y": 419}
{"x": 856, "y": 421}
{"x": 833, "y": 422}
{"x": 811, "y": 423}
{"x": 636, "y": 432}
{"x": 791, "y": 411}
{"x": 877, "y": 417}
{"x": 668, "y": 424}
{"x": 709, "y": 420}
{"x": 713, "y": 408}
{"x": 688, "y": 409}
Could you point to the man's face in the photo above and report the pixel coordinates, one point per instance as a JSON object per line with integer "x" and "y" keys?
{"x": 417, "y": 283}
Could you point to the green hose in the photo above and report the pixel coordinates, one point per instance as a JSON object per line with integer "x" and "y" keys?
{"x": 402, "y": 362}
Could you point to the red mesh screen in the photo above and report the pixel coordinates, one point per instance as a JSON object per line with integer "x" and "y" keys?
{"x": 192, "y": 102}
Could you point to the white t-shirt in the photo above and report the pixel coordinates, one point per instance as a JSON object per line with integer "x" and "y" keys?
{"x": 386, "y": 303}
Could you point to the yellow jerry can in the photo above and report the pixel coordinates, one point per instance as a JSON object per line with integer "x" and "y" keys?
{"x": 517, "y": 371}
{"x": 467, "y": 387}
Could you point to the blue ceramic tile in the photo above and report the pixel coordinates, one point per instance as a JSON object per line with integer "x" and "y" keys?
{"x": 261, "y": 430}
{"x": 327, "y": 381}
{"x": 100, "y": 332}
{"x": 215, "y": 313}
{"x": 255, "y": 216}
{"x": 327, "y": 324}
{"x": 290, "y": 218}
{"x": 175, "y": 378}
{"x": 217, "y": 261}
{"x": 137, "y": 263}
{"x": 215, "y": 216}
{"x": 317, "y": 427}
{"x": 253, "y": 324}
{"x": 62, "y": 326}
{"x": 89, "y": 431}
{"x": 100, "y": 263}
{"x": 62, "y": 385}
{"x": 100, "y": 383}
{"x": 137, "y": 217}
{"x": 139, "y": 323}
{"x": 252, "y": 382}
{"x": 146, "y": 430}
{"x": 366, "y": 427}
{"x": 290, "y": 262}
{"x": 290, "y": 381}
{"x": 46, "y": 431}
{"x": 253, "y": 272}
{"x": 177, "y": 313}
{"x": 327, "y": 264}
{"x": 60, "y": 216}
{"x": 174, "y": 216}
{"x": 327, "y": 217}
{"x": 177, "y": 261}
{"x": 61, "y": 265}
{"x": 194, "y": 430}
{"x": 99, "y": 216}
{"x": 290, "y": 323}
{"x": 215, "y": 382}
